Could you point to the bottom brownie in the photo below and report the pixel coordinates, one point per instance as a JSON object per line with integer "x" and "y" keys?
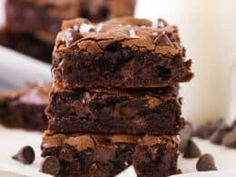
{"x": 92, "y": 155}
{"x": 25, "y": 108}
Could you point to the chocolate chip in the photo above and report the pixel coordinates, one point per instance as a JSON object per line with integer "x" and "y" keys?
{"x": 206, "y": 163}
{"x": 229, "y": 139}
{"x": 161, "y": 23}
{"x": 163, "y": 39}
{"x": 51, "y": 165}
{"x": 25, "y": 155}
{"x": 191, "y": 150}
{"x": 206, "y": 130}
{"x": 217, "y": 136}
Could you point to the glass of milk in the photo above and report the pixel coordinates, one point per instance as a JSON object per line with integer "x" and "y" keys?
{"x": 208, "y": 31}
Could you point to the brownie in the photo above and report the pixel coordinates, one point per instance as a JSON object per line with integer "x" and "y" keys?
{"x": 27, "y": 44}
{"x": 43, "y": 17}
{"x": 99, "y": 155}
{"x": 136, "y": 111}
{"x": 40, "y": 17}
{"x": 121, "y": 53}
{"x": 25, "y": 108}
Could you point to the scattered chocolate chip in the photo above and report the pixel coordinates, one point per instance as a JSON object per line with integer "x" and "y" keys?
{"x": 206, "y": 163}
{"x": 25, "y": 155}
{"x": 206, "y": 130}
{"x": 218, "y": 135}
{"x": 51, "y": 165}
{"x": 191, "y": 150}
{"x": 229, "y": 139}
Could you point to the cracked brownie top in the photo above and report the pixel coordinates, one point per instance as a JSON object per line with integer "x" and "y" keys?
{"x": 138, "y": 34}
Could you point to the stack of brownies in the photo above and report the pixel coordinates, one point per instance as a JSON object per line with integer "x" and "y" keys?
{"x": 114, "y": 101}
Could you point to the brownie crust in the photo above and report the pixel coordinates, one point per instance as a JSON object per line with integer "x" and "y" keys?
{"x": 123, "y": 53}
{"x": 25, "y": 108}
{"x": 106, "y": 155}
{"x": 112, "y": 111}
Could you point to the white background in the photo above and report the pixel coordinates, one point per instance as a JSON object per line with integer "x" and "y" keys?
{"x": 207, "y": 29}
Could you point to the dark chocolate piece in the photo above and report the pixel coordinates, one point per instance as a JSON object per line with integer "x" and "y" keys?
{"x": 218, "y": 135}
{"x": 107, "y": 155}
{"x": 51, "y": 165}
{"x": 206, "y": 130}
{"x": 26, "y": 155}
{"x": 206, "y": 163}
{"x": 120, "y": 53}
{"x": 191, "y": 150}
{"x": 114, "y": 111}
{"x": 229, "y": 139}
{"x": 24, "y": 108}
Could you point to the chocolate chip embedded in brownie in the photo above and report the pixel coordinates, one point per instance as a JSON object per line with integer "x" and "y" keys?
{"x": 137, "y": 111}
{"x": 123, "y": 52}
{"x": 107, "y": 155}
{"x": 25, "y": 108}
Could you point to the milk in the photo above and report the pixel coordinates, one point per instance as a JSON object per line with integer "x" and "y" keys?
{"x": 208, "y": 32}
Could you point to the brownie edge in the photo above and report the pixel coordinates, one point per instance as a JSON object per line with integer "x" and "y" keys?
{"x": 113, "y": 111}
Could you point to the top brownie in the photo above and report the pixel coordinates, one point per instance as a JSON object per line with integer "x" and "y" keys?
{"x": 120, "y": 53}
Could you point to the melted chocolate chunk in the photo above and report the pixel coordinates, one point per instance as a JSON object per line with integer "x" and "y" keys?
{"x": 191, "y": 150}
